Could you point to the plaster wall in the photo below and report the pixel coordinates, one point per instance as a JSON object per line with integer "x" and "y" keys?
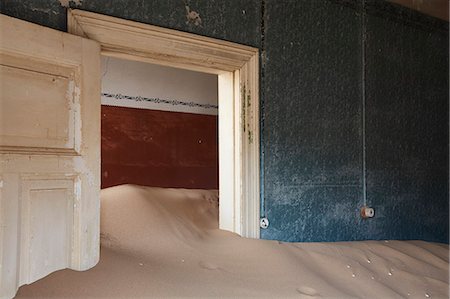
{"x": 159, "y": 148}
{"x": 133, "y": 84}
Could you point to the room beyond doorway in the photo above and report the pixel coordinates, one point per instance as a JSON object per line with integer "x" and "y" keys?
{"x": 159, "y": 126}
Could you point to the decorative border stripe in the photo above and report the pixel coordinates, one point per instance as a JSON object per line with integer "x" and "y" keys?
{"x": 119, "y": 96}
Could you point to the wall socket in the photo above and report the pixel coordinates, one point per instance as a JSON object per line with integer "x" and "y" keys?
{"x": 367, "y": 212}
{"x": 264, "y": 223}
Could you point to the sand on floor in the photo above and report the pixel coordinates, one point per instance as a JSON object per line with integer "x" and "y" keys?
{"x": 158, "y": 242}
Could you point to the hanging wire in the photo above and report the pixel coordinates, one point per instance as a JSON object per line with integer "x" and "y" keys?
{"x": 363, "y": 112}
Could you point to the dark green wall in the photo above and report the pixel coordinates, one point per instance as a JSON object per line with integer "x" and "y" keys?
{"x": 232, "y": 20}
{"x": 337, "y": 76}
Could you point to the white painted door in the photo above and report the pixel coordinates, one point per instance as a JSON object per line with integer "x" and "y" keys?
{"x": 49, "y": 153}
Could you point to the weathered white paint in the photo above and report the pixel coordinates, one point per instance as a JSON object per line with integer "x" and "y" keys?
{"x": 53, "y": 92}
{"x": 49, "y": 153}
{"x": 46, "y": 225}
{"x": 228, "y": 220}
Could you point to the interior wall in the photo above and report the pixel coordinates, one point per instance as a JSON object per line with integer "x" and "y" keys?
{"x": 159, "y": 126}
{"x": 312, "y": 135}
{"x": 134, "y": 84}
{"x": 159, "y": 148}
{"x": 313, "y": 86}
{"x": 370, "y": 84}
{"x": 407, "y": 125}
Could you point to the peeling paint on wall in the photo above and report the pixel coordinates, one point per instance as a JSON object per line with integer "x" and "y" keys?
{"x": 193, "y": 17}
{"x": 243, "y": 91}
{"x": 66, "y": 3}
{"x": 249, "y": 118}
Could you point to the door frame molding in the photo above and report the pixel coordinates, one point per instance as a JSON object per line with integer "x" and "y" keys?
{"x": 237, "y": 67}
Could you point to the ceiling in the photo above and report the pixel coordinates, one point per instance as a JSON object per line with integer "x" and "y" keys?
{"x": 435, "y": 8}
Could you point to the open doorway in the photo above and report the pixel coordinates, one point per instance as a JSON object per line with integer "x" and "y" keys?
{"x": 237, "y": 70}
{"x": 159, "y": 126}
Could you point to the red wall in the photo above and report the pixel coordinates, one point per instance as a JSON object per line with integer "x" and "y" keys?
{"x": 159, "y": 148}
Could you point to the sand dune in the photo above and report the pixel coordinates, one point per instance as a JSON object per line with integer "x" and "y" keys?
{"x": 166, "y": 243}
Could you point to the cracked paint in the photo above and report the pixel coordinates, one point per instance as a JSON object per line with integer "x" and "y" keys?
{"x": 66, "y": 3}
{"x": 243, "y": 106}
{"x": 193, "y": 17}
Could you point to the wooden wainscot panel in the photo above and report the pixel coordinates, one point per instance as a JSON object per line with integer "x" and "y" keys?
{"x": 42, "y": 102}
{"x": 46, "y": 226}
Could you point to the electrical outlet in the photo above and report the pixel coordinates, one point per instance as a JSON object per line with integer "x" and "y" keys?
{"x": 264, "y": 223}
{"x": 367, "y": 212}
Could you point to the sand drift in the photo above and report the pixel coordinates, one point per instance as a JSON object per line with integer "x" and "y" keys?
{"x": 160, "y": 242}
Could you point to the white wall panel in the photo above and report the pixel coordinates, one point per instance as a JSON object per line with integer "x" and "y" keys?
{"x": 128, "y": 83}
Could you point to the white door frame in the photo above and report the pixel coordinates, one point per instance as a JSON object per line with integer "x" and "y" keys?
{"x": 238, "y": 77}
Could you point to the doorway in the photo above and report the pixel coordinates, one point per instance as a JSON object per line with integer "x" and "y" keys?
{"x": 237, "y": 69}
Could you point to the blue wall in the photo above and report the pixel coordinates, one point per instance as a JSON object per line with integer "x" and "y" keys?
{"x": 407, "y": 124}
{"x": 337, "y": 76}
{"x": 312, "y": 118}
{"x": 345, "y": 79}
